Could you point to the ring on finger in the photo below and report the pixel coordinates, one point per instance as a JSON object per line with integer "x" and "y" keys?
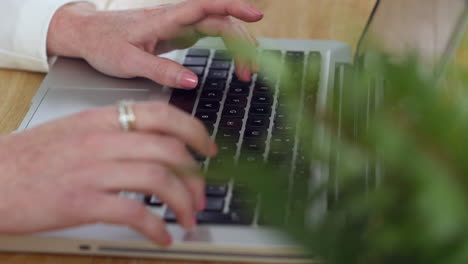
{"x": 127, "y": 118}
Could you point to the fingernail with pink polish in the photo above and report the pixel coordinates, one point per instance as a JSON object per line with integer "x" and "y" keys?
{"x": 246, "y": 74}
{"x": 255, "y": 11}
{"x": 188, "y": 80}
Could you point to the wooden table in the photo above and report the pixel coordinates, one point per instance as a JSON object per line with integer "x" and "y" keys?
{"x": 302, "y": 19}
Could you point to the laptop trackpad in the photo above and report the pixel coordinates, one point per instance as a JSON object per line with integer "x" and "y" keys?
{"x": 61, "y": 102}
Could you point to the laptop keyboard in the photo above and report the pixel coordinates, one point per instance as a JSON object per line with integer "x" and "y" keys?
{"x": 246, "y": 118}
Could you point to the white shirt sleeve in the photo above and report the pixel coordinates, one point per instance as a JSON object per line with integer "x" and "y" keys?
{"x": 24, "y": 25}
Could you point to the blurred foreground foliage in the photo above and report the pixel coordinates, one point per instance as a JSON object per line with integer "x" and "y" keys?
{"x": 393, "y": 142}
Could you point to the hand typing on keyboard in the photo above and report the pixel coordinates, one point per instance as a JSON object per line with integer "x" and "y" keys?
{"x": 125, "y": 43}
{"x": 69, "y": 172}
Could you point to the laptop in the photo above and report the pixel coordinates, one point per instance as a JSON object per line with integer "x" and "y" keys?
{"x": 234, "y": 112}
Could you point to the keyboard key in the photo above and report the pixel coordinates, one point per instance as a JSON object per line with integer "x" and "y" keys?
{"x": 266, "y": 79}
{"x": 214, "y": 85}
{"x": 235, "y": 217}
{"x": 227, "y": 147}
{"x": 214, "y": 204}
{"x": 233, "y": 111}
{"x": 199, "y": 71}
{"x": 207, "y": 117}
{"x": 208, "y": 105}
{"x": 212, "y": 94}
{"x": 220, "y": 64}
{"x": 241, "y": 203}
{"x": 255, "y": 133}
{"x": 260, "y": 110}
{"x": 250, "y": 157}
{"x": 239, "y": 91}
{"x": 216, "y": 190}
{"x": 231, "y": 123}
{"x": 198, "y": 53}
{"x": 253, "y": 146}
{"x": 184, "y": 100}
{"x": 228, "y": 135}
{"x": 239, "y": 83}
{"x": 222, "y": 55}
{"x": 261, "y": 88}
{"x": 218, "y": 74}
{"x": 195, "y": 61}
{"x": 262, "y": 99}
{"x": 258, "y": 121}
{"x": 286, "y": 129}
{"x": 153, "y": 201}
{"x": 236, "y": 100}
{"x": 209, "y": 127}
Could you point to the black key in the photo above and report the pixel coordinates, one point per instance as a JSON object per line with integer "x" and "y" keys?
{"x": 197, "y": 156}
{"x": 258, "y": 121}
{"x": 214, "y": 204}
{"x": 240, "y": 101}
{"x": 233, "y": 111}
{"x": 198, "y": 53}
{"x": 250, "y": 157}
{"x": 236, "y": 82}
{"x": 286, "y": 129}
{"x": 266, "y": 79}
{"x": 280, "y": 156}
{"x": 240, "y": 203}
{"x": 231, "y": 123}
{"x": 261, "y": 88}
{"x": 281, "y": 141}
{"x": 197, "y": 70}
{"x": 222, "y": 55}
{"x": 255, "y": 133}
{"x": 214, "y": 85}
{"x": 220, "y": 65}
{"x": 297, "y": 55}
{"x": 208, "y": 105}
{"x": 195, "y": 61}
{"x": 228, "y": 135}
{"x": 184, "y": 100}
{"x": 209, "y": 127}
{"x": 260, "y": 110}
{"x": 253, "y": 146}
{"x": 153, "y": 201}
{"x": 227, "y": 147}
{"x": 212, "y": 94}
{"x": 216, "y": 190}
{"x": 218, "y": 74}
{"x": 262, "y": 99}
{"x": 234, "y": 217}
{"x": 207, "y": 117}
{"x": 235, "y": 90}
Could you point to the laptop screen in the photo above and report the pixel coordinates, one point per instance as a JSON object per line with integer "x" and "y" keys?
{"x": 426, "y": 27}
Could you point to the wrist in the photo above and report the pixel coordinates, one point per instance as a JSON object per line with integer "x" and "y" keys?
{"x": 66, "y": 35}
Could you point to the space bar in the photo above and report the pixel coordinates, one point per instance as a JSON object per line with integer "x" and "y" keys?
{"x": 231, "y": 218}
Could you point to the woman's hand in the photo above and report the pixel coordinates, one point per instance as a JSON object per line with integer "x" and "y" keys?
{"x": 124, "y": 43}
{"x": 69, "y": 172}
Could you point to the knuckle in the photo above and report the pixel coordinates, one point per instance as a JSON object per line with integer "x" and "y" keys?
{"x": 162, "y": 177}
{"x": 135, "y": 213}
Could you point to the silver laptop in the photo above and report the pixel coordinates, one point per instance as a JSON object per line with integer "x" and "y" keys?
{"x": 245, "y": 115}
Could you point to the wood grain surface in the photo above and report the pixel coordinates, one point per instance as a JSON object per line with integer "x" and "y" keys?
{"x": 300, "y": 19}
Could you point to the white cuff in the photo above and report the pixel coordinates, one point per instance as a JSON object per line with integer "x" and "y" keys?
{"x": 31, "y": 36}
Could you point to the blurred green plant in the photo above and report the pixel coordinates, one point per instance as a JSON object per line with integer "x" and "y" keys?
{"x": 390, "y": 159}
